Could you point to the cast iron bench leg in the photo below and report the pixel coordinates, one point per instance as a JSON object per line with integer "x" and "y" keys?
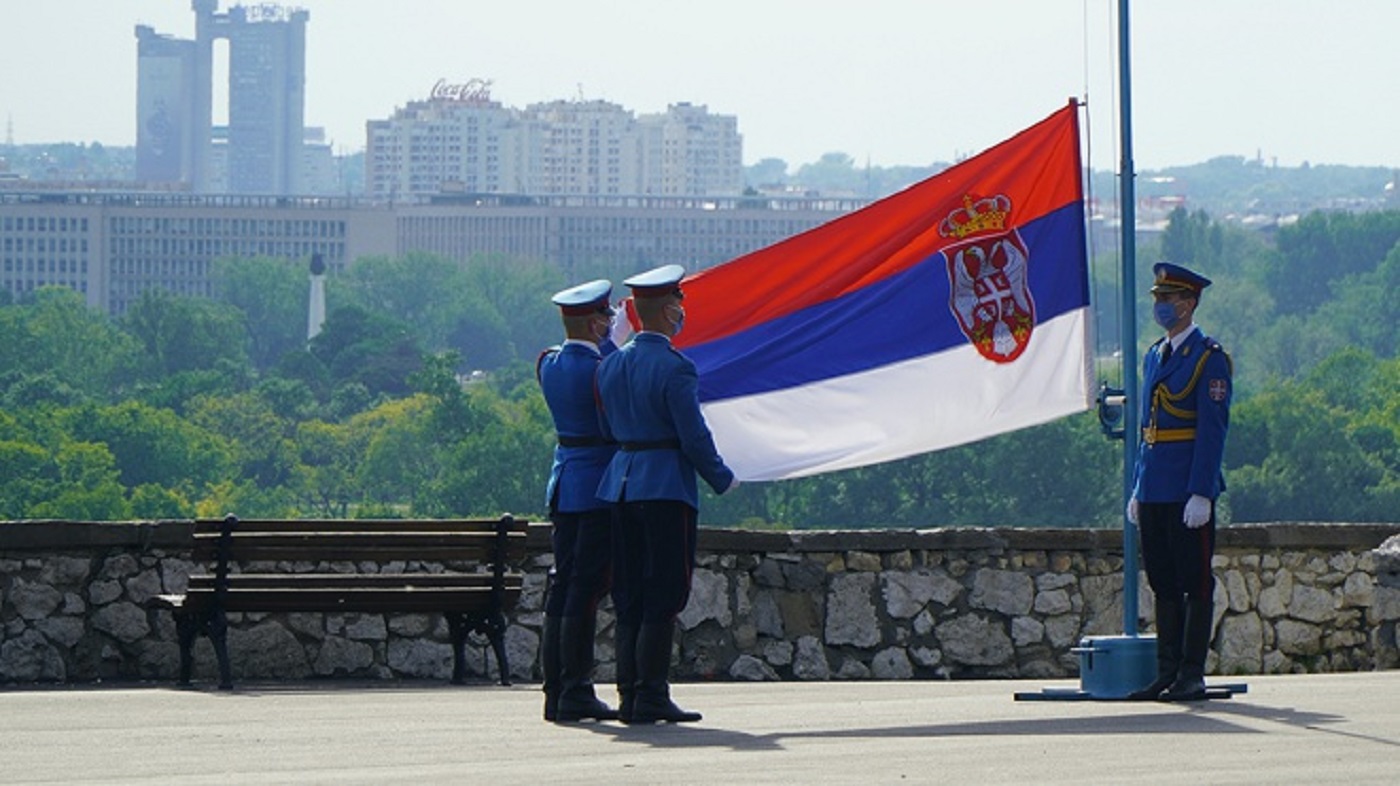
{"x": 218, "y": 635}
{"x": 186, "y": 628}
{"x": 457, "y": 626}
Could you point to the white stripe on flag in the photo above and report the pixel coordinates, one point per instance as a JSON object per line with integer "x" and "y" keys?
{"x": 916, "y": 406}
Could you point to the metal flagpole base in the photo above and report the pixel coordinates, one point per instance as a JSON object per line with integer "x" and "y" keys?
{"x": 1224, "y": 691}
{"x": 1113, "y": 667}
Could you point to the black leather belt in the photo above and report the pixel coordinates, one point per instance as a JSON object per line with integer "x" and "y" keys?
{"x": 660, "y": 444}
{"x": 583, "y": 442}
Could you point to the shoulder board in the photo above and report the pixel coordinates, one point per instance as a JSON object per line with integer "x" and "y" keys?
{"x": 1214, "y": 346}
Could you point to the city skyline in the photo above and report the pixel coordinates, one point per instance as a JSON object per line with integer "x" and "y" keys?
{"x": 891, "y": 83}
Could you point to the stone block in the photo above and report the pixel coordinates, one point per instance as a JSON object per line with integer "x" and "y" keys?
{"x": 709, "y": 600}
{"x": 975, "y": 640}
{"x": 342, "y": 656}
{"x": 1311, "y": 604}
{"x": 907, "y": 593}
{"x": 33, "y": 600}
{"x": 810, "y": 662}
{"x": 1004, "y": 591}
{"x": 891, "y": 663}
{"x": 850, "y": 611}
{"x": 750, "y": 669}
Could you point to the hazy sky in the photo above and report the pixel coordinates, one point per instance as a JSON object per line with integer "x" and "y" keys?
{"x": 885, "y": 81}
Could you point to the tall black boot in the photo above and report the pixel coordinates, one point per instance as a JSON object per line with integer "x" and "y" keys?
{"x": 577, "y": 701}
{"x": 549, "y": 661}
{"x": 626, "y": 645}
{"x": 653, "y": 702}
{"x": 1190, "y": 684}
{"x": 1170, "y": 618}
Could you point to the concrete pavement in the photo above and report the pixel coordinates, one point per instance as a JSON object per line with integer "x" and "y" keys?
{"x": 1314, "y": 729}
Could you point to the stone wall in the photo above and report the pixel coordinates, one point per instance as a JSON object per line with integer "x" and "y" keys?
{"x": 869, "y": 604}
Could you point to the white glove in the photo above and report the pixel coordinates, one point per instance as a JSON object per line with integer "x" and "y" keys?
{"x": 1133, "y": 510}
{"x": 1197, "y": 512}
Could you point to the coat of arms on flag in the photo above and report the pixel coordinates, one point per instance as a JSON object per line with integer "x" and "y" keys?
{"x": 987, "y": 278}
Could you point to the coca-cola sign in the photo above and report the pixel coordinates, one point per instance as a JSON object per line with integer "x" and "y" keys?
{"x": 477, "y": 91}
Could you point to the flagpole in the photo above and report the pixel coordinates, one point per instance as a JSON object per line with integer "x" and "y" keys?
{"x": 1128, "y": 349}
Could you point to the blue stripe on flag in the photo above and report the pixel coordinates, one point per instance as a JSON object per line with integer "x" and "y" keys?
{"x": 895, "y": 319}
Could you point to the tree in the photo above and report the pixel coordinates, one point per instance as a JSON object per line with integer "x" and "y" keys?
{"x": 328, "y": 464}
{"x": 88, "y": 489}
{"x": 183, "y": 334}
{"x": 767, "y": 172}
{"x": 151, "y": 445}
{"x": 1323, "y": 247}
{"x": 259, "y": 440}
{"x": 27, "y": 476}
{"x": 273, "y": 295}
{"x": 357, "y": 345}
{"x": 59, "y": 334}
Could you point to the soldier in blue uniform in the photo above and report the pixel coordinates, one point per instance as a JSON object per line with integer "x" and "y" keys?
{"x": 648, "y": 392}
{"x": 582, "y": 532}
{"x": 1186, "y": 391}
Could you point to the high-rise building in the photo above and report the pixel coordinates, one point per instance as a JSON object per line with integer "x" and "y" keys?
{"x": 583, "y": 147}
{"x": 690, "y": 152}
{"x": 166, "y": 144}
{"x": 461, "y": 141}
{"x": 458, "y": 140}
{"x": 267, "y": 97}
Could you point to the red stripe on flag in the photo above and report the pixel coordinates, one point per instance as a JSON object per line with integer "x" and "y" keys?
{"x": 1038, "y": 170}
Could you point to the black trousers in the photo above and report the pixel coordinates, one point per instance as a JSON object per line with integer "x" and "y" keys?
{"x": 1177, "y": 559}
{"x": 582, "y": 575}
{"x": 653, "y": 558}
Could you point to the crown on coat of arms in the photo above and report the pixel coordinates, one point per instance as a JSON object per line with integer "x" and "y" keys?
{"x": 988, "y": 214}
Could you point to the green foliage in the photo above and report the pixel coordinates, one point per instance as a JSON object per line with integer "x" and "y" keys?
{"x": 184, "y": 334}
{"x": 419, "y": 398}
{"x": 150, "y": 446}
{"x": 57, "y": 334}
{"x": 272, "y": 296}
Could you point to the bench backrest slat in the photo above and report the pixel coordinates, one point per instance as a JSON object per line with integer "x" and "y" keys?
{"x": 253, "y": 581}
{"x": 358, "y": 540}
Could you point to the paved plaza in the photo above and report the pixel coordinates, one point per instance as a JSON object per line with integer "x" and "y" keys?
{"x": 1306, "y": 729}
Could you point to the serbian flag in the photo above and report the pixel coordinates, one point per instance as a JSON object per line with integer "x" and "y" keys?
{"x": 950, "y": 312}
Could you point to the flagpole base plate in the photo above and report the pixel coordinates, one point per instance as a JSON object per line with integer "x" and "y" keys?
{"x": 1225, "y": 691}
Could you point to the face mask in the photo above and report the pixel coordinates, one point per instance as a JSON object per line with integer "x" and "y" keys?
{"x": 1165, "y": 314}
{"x": 679, "y": 321}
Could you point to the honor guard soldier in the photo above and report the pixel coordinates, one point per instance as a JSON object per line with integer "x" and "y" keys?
{"x": 649, "y": 394}
{"x": 1186, "y": 391}
{"x": 582, "y": 532}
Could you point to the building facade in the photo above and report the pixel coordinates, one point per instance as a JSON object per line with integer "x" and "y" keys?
{"x": 460, "y": 141}
{"x": 114, "y": 246}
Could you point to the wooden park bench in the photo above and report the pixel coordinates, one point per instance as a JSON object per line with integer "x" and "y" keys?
{"x": 247, "y": 566}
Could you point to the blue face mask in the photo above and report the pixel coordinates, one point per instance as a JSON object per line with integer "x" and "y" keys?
{"x": 679, "y": 321}
{"x": 1165, "y": 314}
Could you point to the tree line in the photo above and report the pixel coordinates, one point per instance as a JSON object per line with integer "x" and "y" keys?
{"x": 418, "y": 398}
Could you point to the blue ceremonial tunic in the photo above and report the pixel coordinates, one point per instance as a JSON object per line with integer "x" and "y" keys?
{"x": 649, "y": 395}
{"x": 566, "y": 377}
{"x": 1185, "y": 415}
